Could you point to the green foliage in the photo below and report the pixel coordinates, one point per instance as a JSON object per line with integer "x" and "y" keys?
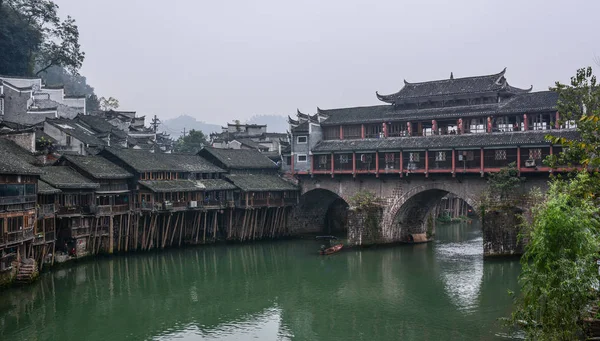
{"x": 107, "y": 104}
{"x": 559, "y": 275}
{"x": 44, "y": 144}
{"x": 37, "y": 38}
{"x": 579, "y": 103}
{"x": 191, "y": 143}
{"x": 505, "y": 181}
{"x": 18, "y": 40}
{"x": 363, "y": 200}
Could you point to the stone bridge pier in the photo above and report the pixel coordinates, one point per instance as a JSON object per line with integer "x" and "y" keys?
{"x": 407, "y": 208}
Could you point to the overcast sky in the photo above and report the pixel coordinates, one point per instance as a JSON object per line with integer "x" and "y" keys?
{"x": 224, "y": 60}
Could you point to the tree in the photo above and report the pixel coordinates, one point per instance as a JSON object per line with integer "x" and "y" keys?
{"x": 558, "y": 277}
{"x": 109, "y": 104}
{"x": 505, "y": 181}
{"x": 18, "y": 41}
{"x": 191, "y": 143}
{"x": 579, "y": 103}
{"x": 57, "y": 42}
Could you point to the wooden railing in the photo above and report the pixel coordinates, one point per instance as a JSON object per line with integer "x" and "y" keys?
{"x": 17, "y": 236}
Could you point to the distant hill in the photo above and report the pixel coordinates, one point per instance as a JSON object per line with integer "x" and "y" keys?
{"x": 275, "y": 123}
{"x": 175, "y": 126}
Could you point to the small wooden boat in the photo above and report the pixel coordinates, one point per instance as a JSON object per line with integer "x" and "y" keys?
{"x": 331, "y": 250}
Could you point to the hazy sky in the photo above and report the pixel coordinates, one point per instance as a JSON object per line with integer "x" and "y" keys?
{"x": 225, "y": 60}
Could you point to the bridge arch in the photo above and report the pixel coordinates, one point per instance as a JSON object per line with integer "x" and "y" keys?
{"x": 322, "y": 211}
{"x": 408, "y": 212}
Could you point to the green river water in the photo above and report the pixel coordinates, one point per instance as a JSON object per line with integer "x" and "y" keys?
{"x": 272, "y": 291}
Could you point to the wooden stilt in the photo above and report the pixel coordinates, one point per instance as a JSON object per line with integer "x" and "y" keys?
{"x": 175, "y": 228}
{"x": 167, "y": 229}
{"x": 204, "y": 236}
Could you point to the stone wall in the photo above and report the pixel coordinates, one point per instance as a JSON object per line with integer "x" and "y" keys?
{"x": 501, "y": 232}
{"x": 364, "y": 227}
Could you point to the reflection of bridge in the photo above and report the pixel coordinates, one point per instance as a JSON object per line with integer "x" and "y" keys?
{"x": 406, "y": 204}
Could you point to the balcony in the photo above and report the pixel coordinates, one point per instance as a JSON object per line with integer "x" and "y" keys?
{"x": 43, "y": 238}
{"x": 45, "y": 210}
{"x": 76, "y": 210}
{"x": 15, "y": 237}
{"x": 80, "y": 231}
{"x": 17, "y": 200}
{"x": 111, "y": 209}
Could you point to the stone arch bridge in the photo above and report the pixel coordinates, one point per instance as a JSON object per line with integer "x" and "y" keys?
{"x": 407, "y": 204}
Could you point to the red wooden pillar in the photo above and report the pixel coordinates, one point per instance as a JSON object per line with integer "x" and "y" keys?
{"x": 551, "y": 152}
{"x": 377, "y": 164}
{"x": 332, "y": 168}
{"x": 385, "y": 130}
{"x": 434, "y": 127}
{"x": 459, "y": 125}
{"x": 354, "y": 164}
{"x": 489, "y": 124}
{"x": 556, "y": 121}
{"x": 341, "y": 132}
{"x": 409, "y": 128}
{"x": 519, "y": 159}
{"x": 453, "y": 162}
{"x": 481, "y": 161}
{"x": 426, "y": 163}
{"x": 401, "y": 164}
{"x": 362, "y": 131}
{"x": 525, "y": 122}
{"x": 312, "y": 164}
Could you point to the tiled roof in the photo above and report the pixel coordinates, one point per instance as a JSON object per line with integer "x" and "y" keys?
{"x": 143, "y": 161}
{"x": 249, "y": 143}
{"x": 159, "y": 186}
{"x": 443, "y": 141}
{"x": 71, "y": 127}
{"x": 98, "y": 167}
{"x": 45, "y": 188}
{"x": 64, "y": 177}
{"x": 239, "y": 158}
{"x": 302, "y": 127}
{"x": 101, "y": 125}
{"x": 16, "y": 160}
{"x": 217, "y": 184}
{"x": 542, "y": 101}
{"x": 260, "y": 182}
{"x": 449, "y": 86}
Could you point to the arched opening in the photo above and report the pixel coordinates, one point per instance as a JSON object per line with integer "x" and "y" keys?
{"x": 419, "y": 214}
{"x": 324, "y": 212}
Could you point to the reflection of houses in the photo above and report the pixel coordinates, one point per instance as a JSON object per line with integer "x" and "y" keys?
{"x": 456, "y": 125}
{"x": 18, "y": 188}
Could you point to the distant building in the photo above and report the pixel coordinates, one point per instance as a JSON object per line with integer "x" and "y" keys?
{"x": 251, "y": 136}
{"x": 27, "y": 101}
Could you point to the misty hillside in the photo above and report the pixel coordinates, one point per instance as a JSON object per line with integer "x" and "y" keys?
{"x": 275, "y": 123}
{"x": 175, "y": 126}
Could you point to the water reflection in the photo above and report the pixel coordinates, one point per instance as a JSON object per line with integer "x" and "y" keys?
{"x": 271, "y": 291}
{"x": 462, "y": 264}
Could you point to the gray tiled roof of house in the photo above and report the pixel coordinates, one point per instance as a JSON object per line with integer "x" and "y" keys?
{"x": 16, "y": 160}
{"x": 101, "y": 125}
{"x": 45, "y": 188}
{"x": 443, "y": 141}
{"x": 64, "y": 177}
{"x": 98, "y": 167}
{"x": 217, "y": 184}
{"x": 71, "y": 127}
{"x": 301, "y": 128}
{"x": 143, "y": 161}
{"x": 159, "y": 186}
{"x": 260, "y": 182}
{"x": 239, "y": 158}
{"x": 542, "y": 101}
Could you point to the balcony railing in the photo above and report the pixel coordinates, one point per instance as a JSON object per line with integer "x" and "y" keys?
{"x": 17, "y": 200}
{"x": 87, "y": 209}
{"x": 46, "y": 209}
{"x": 17, "y": 236}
